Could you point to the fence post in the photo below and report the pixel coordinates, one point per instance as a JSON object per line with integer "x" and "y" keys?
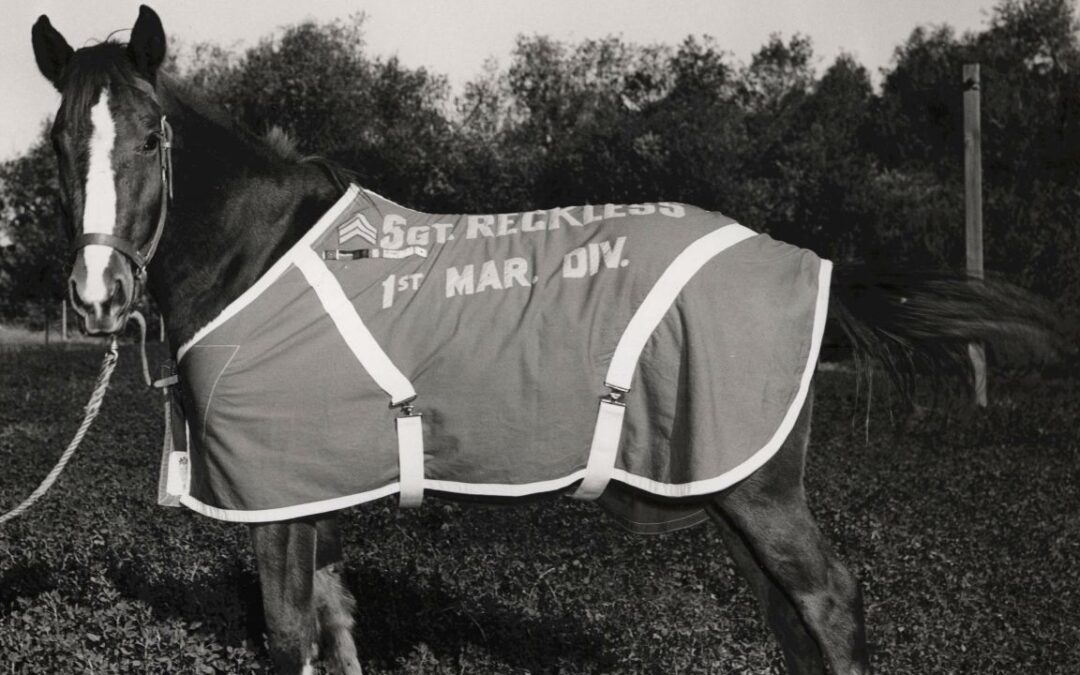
{"x": 973, "y": 209}
{"x": 63, "y": 320}
{"x": 161, "y": 328}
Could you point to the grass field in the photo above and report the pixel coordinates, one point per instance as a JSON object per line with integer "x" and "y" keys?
{"x": 965, "y": 533}
{"x": 14, "y": 336}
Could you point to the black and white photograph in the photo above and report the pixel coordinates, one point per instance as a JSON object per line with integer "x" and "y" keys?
{"x": 505, "y": 337}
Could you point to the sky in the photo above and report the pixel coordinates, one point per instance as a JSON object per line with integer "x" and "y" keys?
{"x": 455, "y": 37}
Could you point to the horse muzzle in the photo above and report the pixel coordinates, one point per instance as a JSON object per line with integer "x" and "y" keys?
{"x": 102, "y": 289}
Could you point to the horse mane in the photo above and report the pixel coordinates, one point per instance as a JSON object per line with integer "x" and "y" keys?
{"x": 92, "y": 68}
{"x": 276, "y": 144}
{"x": 97, "y": 65}
{"x": 285, "y": 146}
{"x": 282, "y": 142}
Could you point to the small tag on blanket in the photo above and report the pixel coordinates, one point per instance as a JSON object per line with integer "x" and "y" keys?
{"x": 175, "y": 472}
{"x": 177, "y": 477}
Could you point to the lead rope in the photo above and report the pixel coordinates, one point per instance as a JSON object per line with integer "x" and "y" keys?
{"x": 108, "y": 365}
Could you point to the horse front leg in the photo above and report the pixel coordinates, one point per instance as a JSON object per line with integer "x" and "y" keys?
{"x": 285, "y": 557}
{"x": 304, "y": 600}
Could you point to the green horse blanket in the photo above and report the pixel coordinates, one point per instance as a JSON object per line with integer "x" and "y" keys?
{"x": 391, "y": 351}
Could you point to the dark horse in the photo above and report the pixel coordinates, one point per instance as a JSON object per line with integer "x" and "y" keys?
{"x": 241, "y": 204}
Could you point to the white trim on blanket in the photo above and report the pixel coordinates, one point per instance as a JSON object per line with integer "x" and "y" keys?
{"x": 287, "y": 512}
{"x": 338, "y": 503}
{"x": 274, "y": 273}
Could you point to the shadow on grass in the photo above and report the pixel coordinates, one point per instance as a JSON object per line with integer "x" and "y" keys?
{"x": 397, "y": 613}
{"x": 227, "y": 602}
{"x": 24, "y": 580}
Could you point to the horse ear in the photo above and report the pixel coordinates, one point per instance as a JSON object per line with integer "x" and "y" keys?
{"x": 51, "y": 50}
{"x": 147, "y": 45}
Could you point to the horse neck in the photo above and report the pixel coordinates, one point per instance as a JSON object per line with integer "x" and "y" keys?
{"x": 237, "y": 209}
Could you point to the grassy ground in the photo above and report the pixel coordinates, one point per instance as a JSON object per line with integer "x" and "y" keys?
{"x": 12, "y": 336}
{"x": 965, "y": 533}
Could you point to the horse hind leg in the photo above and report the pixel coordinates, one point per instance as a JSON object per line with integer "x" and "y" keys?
{"x": 801, "y": 653}
{"x": 807, "y": 592}
{"x": 804, "y": 581}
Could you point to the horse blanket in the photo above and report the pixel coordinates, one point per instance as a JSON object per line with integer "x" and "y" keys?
{"x": 497, "y": 356}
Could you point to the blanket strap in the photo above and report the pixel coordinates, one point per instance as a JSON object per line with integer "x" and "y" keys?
{"x": 378, "y": 364}
{"x": 604, "y": 450}
{"x": 410, "y": 434}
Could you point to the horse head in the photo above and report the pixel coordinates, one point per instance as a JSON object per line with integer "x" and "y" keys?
{"x": 112, "y": 144}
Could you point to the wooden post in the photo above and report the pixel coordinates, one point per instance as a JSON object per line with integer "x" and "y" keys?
{"x": 63, "y": 320}
{"x": 973, "y": 208}
{"x": 161, "y": 328}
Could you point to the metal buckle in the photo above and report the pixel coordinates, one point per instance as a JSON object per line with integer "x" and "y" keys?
{"x": 615, "y": 395}
{"x": 338, "y": 254}
{"x": 406, "y": 407}
{"x": 169, "y": 376}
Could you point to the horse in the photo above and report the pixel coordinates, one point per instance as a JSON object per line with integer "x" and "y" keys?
{"x": 127, "y": 135}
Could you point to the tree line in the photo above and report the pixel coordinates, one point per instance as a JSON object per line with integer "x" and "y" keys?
{"x": 824, "y": 160}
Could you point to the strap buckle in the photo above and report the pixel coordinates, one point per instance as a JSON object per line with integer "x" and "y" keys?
{"x": 615, "y": 395}
{"x": 338, "y": 254}
{"x": 406, "y": 407}
{"x": 166, "y": 382}
{"x": 410, "y": 438}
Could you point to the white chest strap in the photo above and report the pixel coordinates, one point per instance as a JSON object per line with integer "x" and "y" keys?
{"x": 377, "y": 363}
{"x": 604, "y": 449}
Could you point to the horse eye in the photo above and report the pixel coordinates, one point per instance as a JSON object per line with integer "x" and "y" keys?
{"x": 151, "y": 142}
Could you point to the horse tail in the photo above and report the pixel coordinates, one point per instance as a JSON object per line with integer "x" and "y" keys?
{"x": 913, "y": 323}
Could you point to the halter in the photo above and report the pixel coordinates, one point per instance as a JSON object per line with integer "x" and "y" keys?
{"x": 130, "y": 250}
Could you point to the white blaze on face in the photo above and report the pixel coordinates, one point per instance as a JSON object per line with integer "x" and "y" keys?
{"x": 100, "y": 213}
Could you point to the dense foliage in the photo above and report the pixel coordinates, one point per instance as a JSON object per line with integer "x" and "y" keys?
{"x": 964, "y": 535}
{"x": 819, "y": 159}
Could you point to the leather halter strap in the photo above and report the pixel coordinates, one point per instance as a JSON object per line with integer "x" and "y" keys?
{"x": 126, "y": 247}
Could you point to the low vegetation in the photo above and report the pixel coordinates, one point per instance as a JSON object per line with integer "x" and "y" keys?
{"x": 964, "y": 531}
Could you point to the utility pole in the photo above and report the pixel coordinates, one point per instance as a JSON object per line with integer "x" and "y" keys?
{"x": 973, "y": 209}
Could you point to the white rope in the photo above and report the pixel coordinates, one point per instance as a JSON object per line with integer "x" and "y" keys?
{"x": 108, "y": 365}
